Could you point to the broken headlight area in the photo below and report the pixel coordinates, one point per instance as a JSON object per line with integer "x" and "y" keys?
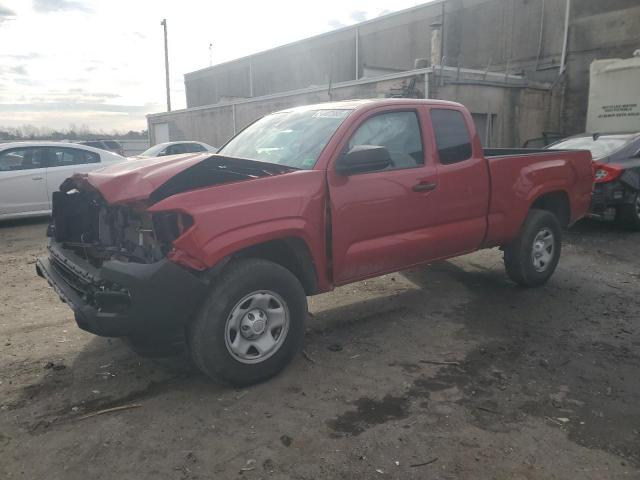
{"x": 169, "y": 226}
{"x": 95, "y": 231}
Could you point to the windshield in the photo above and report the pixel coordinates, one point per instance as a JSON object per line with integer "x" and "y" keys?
{"x": 294, "y": 139}
{"x": 601, "y": 147}
{"x": 153, "y": 151}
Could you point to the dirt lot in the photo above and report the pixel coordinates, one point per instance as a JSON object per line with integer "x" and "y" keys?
{"x": 443, "y": 372}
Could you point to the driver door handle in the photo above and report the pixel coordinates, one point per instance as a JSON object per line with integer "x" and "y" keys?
{"x": 424, "y": 187}
{"x": 36, "y": 178}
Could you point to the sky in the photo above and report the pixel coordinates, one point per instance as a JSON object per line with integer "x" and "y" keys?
{"x": 100, "y": 63}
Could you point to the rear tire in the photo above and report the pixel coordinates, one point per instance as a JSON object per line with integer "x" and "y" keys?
{"x": 251, "y": 325}
{"x": 533, "y": 257}
{"x": 629, "y": 215}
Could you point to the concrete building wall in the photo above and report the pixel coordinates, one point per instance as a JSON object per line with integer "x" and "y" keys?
{"x": 215, "y": 124}
{"x": 227, "y": 81}
{"x": 326, "y": 58}
{"x": 394, "y": 42}
{"x": 518, "y": 36}
{"x": 313, "y": 62}
{"x": 514, "y": 112}
{"x": 481, "y": 33}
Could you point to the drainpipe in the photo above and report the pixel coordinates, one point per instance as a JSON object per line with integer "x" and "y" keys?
{"x": 540, "y": 36}
{"x": 436, "y": 43}
{"x": 250, "y": 78}
{"x": 436, "y": 50}
{"x": 233, "y": 113}
{"x": 426, "y": 85}
{"x": 442, "y": 33}
{"x": 563, "y": 60}
{"x": 357, "y": 32}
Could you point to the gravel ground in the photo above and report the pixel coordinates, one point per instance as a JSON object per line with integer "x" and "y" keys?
{"x": 443, "y": 372}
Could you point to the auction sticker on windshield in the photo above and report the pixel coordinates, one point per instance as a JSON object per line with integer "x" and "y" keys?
{"x": 331, "y": 113}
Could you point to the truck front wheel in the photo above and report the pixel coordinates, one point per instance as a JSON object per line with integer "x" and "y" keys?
{"x": 251, "y": 325}
{"x": 532, "y": 258}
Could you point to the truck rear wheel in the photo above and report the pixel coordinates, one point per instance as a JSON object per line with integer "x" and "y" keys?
{"x": 251, "y": 325}
{"x": 629, "y": 214}
{"x": 532, "y": 258}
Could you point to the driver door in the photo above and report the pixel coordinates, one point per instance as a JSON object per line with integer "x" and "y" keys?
{"x": 383, "y": 221}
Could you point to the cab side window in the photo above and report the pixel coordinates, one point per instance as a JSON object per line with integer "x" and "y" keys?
{"x": 452, "y": 136}
{"x": 398, "y": 132}
{"x": 62, "y": 157}
{"x": 22, "y": 159}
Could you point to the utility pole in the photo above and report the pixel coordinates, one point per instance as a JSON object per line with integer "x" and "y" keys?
{"x": 210, "y": 54}
{"x": 166, "y": 63}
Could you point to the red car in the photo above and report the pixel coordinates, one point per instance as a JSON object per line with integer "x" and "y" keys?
{"x": 227, "y": 247}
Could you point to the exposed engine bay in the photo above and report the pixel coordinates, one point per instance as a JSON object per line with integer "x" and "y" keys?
{"x": 96, "y": 231}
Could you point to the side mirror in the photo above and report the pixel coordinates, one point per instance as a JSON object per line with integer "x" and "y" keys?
{"x": 362, "y": 159}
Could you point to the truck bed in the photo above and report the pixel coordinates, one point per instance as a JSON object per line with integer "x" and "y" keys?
{"x": 520, "y": 175}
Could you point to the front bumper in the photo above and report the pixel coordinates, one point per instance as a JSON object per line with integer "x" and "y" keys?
{"x": 123, "y": 298}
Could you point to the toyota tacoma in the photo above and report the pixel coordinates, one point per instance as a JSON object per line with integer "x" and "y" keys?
{"x": 225, "y": 248}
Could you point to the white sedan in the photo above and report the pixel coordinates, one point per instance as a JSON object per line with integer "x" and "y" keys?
{"x": 31, "y": 171}
{"x": 175, "y": 148}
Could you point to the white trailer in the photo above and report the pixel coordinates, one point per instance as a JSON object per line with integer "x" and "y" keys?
{"x": 614, "y": 96}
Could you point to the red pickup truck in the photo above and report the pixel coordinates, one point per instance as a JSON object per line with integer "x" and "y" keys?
{"x": 225, "y": 248}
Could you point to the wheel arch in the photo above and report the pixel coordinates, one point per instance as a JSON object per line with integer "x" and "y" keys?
{"x": 291, "y": 253}
{"x": 556, "y": 202}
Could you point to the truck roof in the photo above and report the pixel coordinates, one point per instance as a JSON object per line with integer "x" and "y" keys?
{"x": 356, "y": 104}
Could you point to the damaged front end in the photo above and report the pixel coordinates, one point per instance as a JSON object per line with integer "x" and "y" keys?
{"x": 113, "y": 262}
{"x": 109, "y": 263}
{"x": 85, "y": 224}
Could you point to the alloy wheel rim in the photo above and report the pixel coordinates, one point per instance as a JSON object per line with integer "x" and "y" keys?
{"x": 257, "y": 327}
{"x": 543, "y": 250}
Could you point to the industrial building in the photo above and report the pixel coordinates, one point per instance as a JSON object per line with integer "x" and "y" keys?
{"x": 521, "y": 67}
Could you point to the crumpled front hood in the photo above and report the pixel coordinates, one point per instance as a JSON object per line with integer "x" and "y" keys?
{"x": 134, "y": 180}
{"x": 156, "y": 178}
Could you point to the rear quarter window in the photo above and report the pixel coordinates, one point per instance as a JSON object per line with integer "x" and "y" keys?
{"x": 452, "y": 136}
{"x": 63, "y": 157}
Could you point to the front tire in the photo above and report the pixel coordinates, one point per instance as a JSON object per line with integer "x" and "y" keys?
{"x": 533, "y": 257}
{"x": 251, "y": 325}
{"x": 629, "y": 214}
